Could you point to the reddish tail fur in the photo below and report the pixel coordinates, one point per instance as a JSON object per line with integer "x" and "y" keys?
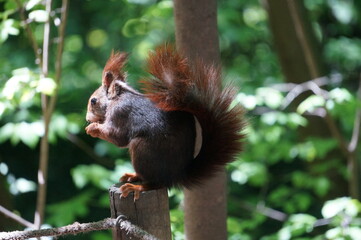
{"x": 178, "y": 85}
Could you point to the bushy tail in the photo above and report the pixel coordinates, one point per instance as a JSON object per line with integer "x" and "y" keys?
{"x": 178, "y": 85}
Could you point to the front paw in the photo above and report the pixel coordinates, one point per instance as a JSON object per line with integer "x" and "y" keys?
{"x": 129, "y": 177}
{"x": 93, "y": 130}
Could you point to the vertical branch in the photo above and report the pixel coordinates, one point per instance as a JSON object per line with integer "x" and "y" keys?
{"x": 48, "y": 107}
{"x": 301, "y": 34}
{"x": 353, "y": 164}
{"x": 357, "y": 123}
{"x": 44, "y": 145}
{"x": 59, "y": 54}
{"x": 30, "y": 34}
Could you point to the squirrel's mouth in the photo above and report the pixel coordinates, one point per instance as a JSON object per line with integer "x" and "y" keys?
{"x": 92, "y": 118}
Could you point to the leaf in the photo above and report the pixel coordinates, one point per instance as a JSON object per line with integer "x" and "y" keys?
{"x": 296, "y": 120}
{"x": 354, "y": 232}
{"x": 32, "y": 4}
{"x": 341, "y": 205}
{"x": 342, "y": 10}
{"x": 46, "y": 86}
{"x": 7, "y": 27}
{"x": 270, "y": 97}
{"x": 323, "y": 145}
{"x": 20, "y": 77}
{"x": 95, "y": 174}
{"x": 297, "y": 225}
{"x": 68, "y": 211}
{"x": 285, "y": 233}
{"x": 39, "y": 16}
{"x": 6, "y": 132}
{"x": 28, "y": 133}
{"x": 22, "y": 185}
{"x": 334, "y": 233}
{"x": 340, "y": 95}
{"x": 253, "y": 172}
{"x": 248, "y": 101}
{"x": 310, "y": 104}
{"x": 135, "y": 26}
{"x": 305, "y": 221}
{"x": 254, "y": 15}
{"x": 2, "y": 108}
{"x": 321, "y": 186}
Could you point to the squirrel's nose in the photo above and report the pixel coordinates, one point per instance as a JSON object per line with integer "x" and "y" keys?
{"x": 93, "y": 101}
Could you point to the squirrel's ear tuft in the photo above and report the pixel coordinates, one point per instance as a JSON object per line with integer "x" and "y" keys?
{"x": 113, "y": 69}
{"x": 107, "y": 78}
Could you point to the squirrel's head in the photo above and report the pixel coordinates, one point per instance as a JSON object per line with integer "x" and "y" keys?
{"x": 97, "y": 106}
{"x": 113, "y": 86}
{"x": 114, "y": 76}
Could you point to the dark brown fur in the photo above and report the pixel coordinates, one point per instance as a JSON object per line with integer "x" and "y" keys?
{"x": 180, "y": 86}
{"x": 159, "y": 127}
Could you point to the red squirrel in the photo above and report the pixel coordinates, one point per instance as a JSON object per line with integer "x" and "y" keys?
{"x": 181, "y": 131}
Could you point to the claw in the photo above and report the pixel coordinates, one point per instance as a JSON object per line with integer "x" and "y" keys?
{"x": 127, "y": 188}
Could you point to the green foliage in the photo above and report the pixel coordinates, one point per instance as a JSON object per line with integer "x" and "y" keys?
{"x": 176, "y": 218}
{"x": 59, "y": 212}
{"x": 296, "y": 225}
{"x": 280, "y": 168}
{"x": 98, "y": 176}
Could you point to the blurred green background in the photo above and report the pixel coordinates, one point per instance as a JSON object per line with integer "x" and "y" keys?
{"x": 280, "y": 187}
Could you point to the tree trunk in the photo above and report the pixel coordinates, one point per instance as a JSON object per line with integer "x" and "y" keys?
{"x": 296, "y": 44}
{"x": 300, "y": 57}
{"x": 197, "y": 37}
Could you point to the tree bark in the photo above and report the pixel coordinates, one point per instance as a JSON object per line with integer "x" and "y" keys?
{"x": 197, "y": 37}
{"x": 297, "y": 47}
{"x": 300, "y": 56}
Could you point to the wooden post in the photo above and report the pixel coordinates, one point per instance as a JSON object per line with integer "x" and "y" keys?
{"x": 150, "y": 212}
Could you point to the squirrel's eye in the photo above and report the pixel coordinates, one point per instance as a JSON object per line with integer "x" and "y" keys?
{"x": 93, "y": 101}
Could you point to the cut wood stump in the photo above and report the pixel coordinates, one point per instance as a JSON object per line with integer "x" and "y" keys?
{"x": 150, "y": 212}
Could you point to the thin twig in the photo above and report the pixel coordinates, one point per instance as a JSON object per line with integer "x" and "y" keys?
{"x": 44, "y": 145}
{"x": 58, "y": 60}
{"x": 77, "y": 228}
{"x": 278, "y": 215}
{"x": 16, "y": 218}
{"x": 34, "y": 44}
{"x": 266, "y": 211}
{"x": 298, "y": 89}
{"x": 61, "y": 36}
{"x": 348, "y": 149}
{"x": 320, "y": 81}
{"x": 294, "y": 90}
{"x": 314, "y": 86}
{"x": 357, "y": 123}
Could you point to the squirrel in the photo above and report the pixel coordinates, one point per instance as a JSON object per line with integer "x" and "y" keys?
{"x": 180, "y": 131}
